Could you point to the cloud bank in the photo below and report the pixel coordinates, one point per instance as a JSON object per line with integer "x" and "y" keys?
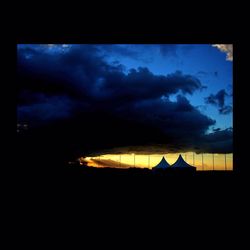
{"x": 74, "y": 98}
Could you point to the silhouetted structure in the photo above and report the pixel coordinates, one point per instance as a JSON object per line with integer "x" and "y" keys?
{"x": 181, "y": 164}
{"x": 163, "y": 164}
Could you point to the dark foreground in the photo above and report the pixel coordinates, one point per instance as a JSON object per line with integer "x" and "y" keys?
{"x": 139, "y": 172}
{"x": 49, "y": 191}
{"x": 102, "y": 178}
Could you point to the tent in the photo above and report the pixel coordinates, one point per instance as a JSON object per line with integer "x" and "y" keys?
{"x": 180, "y": 164}
{"x": 163, "y": 164}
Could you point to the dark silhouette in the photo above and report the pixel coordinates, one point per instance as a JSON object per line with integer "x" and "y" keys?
{"x": 163, "y": 164}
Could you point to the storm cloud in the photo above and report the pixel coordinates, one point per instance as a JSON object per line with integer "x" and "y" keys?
{"x": 101, "y": 107}
{"x": 218, "y": 100}
{"x": 218, "y": 142}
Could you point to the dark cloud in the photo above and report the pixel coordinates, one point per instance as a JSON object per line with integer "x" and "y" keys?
{"x": 80, "y": 104}
{"x": 84, "y": 76}
{"x": 216, "y": 129}
{"x": 45, "y": 108}
{"x": 226, "y": 110}
{"x": 141, "y": 84}
{"x": 219, "y": 101}
{"x": 220, "y": 97}
{"x": 218, "y": 142}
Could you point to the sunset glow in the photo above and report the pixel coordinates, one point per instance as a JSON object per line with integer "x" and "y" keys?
{"x": 127, "y": 105}
{"x": 221, "y": 161}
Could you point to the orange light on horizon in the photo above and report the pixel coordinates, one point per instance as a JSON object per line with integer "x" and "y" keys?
{"x": 210, "y": 161}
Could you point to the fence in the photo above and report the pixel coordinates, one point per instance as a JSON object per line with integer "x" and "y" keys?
{"x": 200, "y": 161}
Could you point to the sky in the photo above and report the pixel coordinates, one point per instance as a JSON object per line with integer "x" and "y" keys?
{"x": 202, "y": 162}
{"x": 97, "y": 99}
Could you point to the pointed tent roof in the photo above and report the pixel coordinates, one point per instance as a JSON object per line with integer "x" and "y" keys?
{"x": 180, "y": 163}
{"x": 162, "y": 164}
